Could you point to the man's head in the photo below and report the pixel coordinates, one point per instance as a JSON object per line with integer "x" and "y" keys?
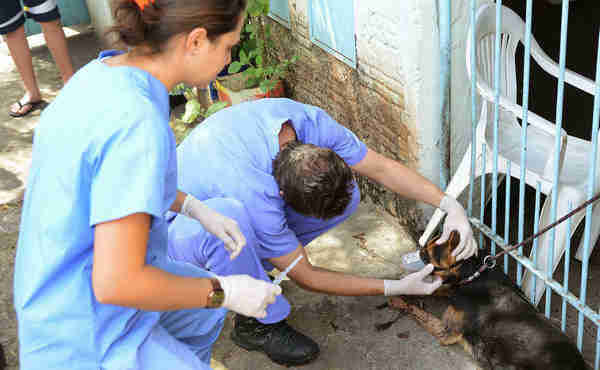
{"x": 314, "y": 181}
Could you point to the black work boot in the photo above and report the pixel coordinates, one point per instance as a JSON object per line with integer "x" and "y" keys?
{"x": 2, "y": 358}
{"x": 282, "y": 343}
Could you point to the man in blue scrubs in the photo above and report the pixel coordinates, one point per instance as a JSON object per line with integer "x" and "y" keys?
{"x": 291, "y": 165}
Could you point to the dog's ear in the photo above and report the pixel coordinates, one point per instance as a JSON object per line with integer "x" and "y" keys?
{"x": 440, "y": 256}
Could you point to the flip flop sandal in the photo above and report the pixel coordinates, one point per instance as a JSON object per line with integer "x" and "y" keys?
{"x": 34, "y": 106}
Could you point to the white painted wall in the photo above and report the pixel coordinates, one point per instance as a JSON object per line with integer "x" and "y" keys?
{"x": 100, "y": 15}
{"x": 397, "y": 41}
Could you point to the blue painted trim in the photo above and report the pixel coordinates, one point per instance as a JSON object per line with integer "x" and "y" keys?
{"x": 279, "y": 11}
{"x": 347, "y": 56}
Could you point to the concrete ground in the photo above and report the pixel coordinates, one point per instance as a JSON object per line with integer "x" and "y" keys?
{"x": 345, "y": 327}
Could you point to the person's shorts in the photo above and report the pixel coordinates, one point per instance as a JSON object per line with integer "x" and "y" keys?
{"x": 12, "y": 15}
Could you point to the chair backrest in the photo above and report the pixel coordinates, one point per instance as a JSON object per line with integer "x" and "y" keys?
{"x": 512, "y": 32}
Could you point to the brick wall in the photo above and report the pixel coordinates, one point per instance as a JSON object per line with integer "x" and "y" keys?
{"x": 372, "y": 106}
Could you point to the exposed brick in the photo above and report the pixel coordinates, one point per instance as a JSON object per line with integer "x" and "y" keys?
{"x": 366, "y": 100}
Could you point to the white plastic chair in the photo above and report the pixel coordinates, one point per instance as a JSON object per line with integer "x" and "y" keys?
{"x": 541, "y": 134}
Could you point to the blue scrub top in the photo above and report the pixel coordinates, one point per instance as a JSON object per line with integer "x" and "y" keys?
{"x": 102, "y": 150}
{"x": 230, "y": 154}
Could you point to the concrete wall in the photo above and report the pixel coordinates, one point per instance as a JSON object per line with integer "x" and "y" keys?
{"x": 101, "y": 16}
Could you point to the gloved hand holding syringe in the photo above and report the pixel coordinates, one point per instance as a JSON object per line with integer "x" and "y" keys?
{"x": 282, "y": 275}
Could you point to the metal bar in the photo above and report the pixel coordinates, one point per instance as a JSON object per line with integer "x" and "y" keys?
{"x": 526, "y": 71}
{"x": 591, "y": 186}
{"x": 536, "y": 225}
{"x": 557, "y": 287}
{"x": 597, "y": 362}
{"x": 563, "y": 322}
{"x": 482, "y": 208}
{"x": 445, "y": 11}
{"x": 507, "y": 212}
{"x": 496, "y": 118}
{"x": 473, "y": 108}
{"x": 557, "y": 142}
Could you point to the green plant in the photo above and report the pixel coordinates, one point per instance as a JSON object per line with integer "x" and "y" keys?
{"x": 261, "y": 70}
{"x": 193, "y": 108}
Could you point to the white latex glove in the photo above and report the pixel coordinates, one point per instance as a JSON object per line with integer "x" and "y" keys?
{"x": 456, "y": 219}
{"x": 413, "y": 284}
{"x": 215, "y": 223}
{"x": 248, "y": 296}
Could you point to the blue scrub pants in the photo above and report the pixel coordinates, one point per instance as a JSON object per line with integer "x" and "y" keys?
{"x": 196, "y": 329}
{"x": 189, "y": 242}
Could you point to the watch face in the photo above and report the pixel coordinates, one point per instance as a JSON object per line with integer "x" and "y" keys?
{"x": 216, "y": 298}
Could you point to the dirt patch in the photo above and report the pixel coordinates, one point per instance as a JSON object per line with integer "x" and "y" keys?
{"x": 9, "y": 225}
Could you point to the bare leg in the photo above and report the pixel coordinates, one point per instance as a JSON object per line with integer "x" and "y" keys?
{"x": 57, "y": 43}
{"x": 19, "y": 50}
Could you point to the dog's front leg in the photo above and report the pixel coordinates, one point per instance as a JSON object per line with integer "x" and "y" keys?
{"x": 429, "y": 322}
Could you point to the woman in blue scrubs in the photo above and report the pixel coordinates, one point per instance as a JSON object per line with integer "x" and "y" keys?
{"x": 94, "y": 288}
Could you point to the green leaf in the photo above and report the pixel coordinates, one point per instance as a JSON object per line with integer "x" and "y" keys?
{"x": 178, "y": 89}
{"x": 244, "y": 57}
{"x": 253, "y": 54}
{"x": 259, "y": 60}
{"x": 190, "y": 94}
{"x": 255, "y": 10}
{"x": 259, "y": 72}
{"x": 267, "y": 85}
{"x": 252, "y": 82}
{"x": 215, "y": 107}
{"x": 234, "y": 67}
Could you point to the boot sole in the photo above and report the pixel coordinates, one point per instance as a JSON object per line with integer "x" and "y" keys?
{"x": 275, "y": 359}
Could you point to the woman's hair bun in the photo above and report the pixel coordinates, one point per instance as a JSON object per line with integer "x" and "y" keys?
{"x": 160, "y": 20}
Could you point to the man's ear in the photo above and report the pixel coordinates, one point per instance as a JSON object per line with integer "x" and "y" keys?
{"x": 196, "y": 40}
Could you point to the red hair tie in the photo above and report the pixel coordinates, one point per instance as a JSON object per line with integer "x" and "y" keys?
{"x": 142, "y": 3}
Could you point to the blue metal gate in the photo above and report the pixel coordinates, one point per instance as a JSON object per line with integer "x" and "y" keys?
{"x": 508, "y": 138}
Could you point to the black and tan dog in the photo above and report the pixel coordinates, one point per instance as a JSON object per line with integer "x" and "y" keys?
{"x": 491, "y": 318}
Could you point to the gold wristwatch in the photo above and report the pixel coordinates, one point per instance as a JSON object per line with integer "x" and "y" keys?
{"x": 217, "y": 296}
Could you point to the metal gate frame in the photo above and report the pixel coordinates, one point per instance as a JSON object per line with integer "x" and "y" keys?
{"x": 579, "y": 303}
